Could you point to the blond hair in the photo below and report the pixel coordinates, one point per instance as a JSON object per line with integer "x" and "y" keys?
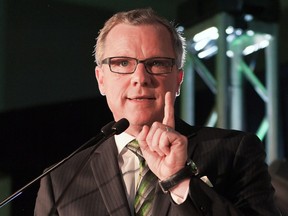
{"x": 141, "y": 17}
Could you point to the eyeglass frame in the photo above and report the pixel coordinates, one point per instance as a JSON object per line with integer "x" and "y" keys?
{"x": 107, "y": 61}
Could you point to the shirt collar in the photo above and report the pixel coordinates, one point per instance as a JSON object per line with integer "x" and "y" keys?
{"x": 122, "y": 140}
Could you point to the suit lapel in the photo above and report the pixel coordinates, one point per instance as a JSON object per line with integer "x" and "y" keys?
{"x": 188, "y": 131}
{"x": 161, "y": 203}
{"x": 108, "y": 178}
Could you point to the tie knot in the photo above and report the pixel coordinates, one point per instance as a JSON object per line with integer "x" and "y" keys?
{"x": 135, "y": 148}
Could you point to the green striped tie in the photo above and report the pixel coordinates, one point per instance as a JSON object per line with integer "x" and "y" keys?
{"x": 146, "y": 188}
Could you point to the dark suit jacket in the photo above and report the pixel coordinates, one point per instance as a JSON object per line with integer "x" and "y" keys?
{"x": 232, "y": 160}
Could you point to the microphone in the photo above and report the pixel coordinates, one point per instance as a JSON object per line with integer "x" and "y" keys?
{"x": 120, "y": 126}
{"x": 107, "y": 131}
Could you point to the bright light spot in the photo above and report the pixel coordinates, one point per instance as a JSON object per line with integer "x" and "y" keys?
{"x": 180, "y": 28}
{"x": 248, "y": 17}
{"x": 229, "y": 30}
{"x": 230, "y": 53}
{"x": 208, "y": 52}
{"x": 238, "y": 32}
{"x": 250, "y": 33}
{"x": 211, "y": 33}
{"x": 249, "y": 49}
{"x": 201, "y": 44}
{"x": 263, "y": 44}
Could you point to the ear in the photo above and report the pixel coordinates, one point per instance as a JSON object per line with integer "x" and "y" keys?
{"x": 100, "y": 79}
{"x": 180, "y": 77}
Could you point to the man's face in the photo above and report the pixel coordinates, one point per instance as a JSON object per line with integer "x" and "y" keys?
{"x": 139, "y": 96}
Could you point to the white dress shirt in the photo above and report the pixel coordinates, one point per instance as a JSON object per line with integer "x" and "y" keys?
{"x": 129, "y": 165}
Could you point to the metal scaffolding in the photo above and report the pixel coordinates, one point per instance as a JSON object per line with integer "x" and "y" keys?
{"x": 220, "y": 38}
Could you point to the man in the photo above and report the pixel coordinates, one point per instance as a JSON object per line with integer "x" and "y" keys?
{"x": 198, "y": 170}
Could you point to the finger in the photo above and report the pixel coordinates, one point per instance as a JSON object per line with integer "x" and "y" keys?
{"x": 169, "y": 110}
{"x": 153, "y": 137}
{"x": 157, "y": 139}
{"x": 141, "y": 138}
{"x": 152, "y": 130}
{"x": 164, "y": 144}
{"x": 154, "y": 144}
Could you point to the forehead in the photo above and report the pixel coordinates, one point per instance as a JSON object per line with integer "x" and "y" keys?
{"x": 124, "y": 39}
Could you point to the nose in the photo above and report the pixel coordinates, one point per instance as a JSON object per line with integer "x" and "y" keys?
{"x": 140, "y": 76}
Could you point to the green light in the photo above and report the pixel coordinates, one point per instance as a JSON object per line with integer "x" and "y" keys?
{"x": 262, "y": 130}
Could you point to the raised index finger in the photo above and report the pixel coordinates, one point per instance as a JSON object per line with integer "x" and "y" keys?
{"x": 169, "y": 110}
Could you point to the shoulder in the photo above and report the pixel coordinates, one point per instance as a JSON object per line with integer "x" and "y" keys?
{"x": 217, "y": 141}
{"x": 204, "y": 133}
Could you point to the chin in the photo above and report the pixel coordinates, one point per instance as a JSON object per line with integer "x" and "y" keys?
{"x": 140, "y": 120}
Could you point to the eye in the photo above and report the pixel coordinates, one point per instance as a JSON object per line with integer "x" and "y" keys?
{"x": 159, "y": 63}
{"x": 124, "y": 63}
{"x": 120, "y": 62}
{"x": 156, "y": 63}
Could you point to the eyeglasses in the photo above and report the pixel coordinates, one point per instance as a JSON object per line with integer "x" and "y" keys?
{"x": 127, "y": 65}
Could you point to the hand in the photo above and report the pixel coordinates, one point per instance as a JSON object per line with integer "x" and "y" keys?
{"x": 164, "y": 149}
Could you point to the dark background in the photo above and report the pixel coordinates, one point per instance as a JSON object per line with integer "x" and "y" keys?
{"x": 49, "y": 101}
